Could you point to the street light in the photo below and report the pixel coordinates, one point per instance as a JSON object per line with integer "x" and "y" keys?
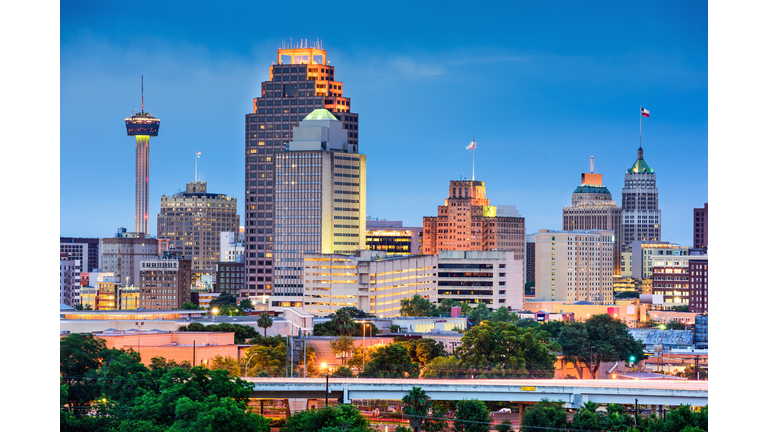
{"x": 139, "y": 324}
{"x": 365, "y": 324}
{"x": 214, "y": 311}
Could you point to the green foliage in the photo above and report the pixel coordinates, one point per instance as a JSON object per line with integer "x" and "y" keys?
{"x": 354, "y": 312}
{"x": 675, "y": 325}
{"x": 80, "y": 356}
{"x": 228, "y": 364}
{"x": 225, "y": 299}
{"x": 503, "y": 350}
{"x": 161, "y": 364}
{"x": 608, "y": 335}
{"x": 417, "y": 306}
{"x": 545, "y": 414}
{"x": 246, "y": 304}
{"x": 480, "y": 313}
{"x": 504, "y": 315}
{"x": 681, "y": 308}
{"x": 504, "y": 426}
{"x": 361, "y": 355}
{"x": 471, "y": 416}
{"x": 416, "y": 405}
{"x": 81, "y": 306}
{"x": 444, "y": 307}
{"x": 690, "y": 373}
{"x": 341, "y": 324}
{"x": 391, "y": 361}
{"x": 683, "y": 417}
{"x": 265, "y": 322}
{"x": 401, "y": 428}
{"x": 344, "y": 418}
{"x": 342, "y": 345}
{"x": 342, "y": 372}
{"x": 190, "y": 306}
{"x": 626, "y": 295}
{"x": 394, "y": 328}
{"x": 242, "y": 332}
{"x": 423, "y": 351}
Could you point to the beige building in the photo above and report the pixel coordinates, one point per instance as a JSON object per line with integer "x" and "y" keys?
{"x": 193, "y": 220}
{"x": 592, "y": 208}
{"x": 629, "y": 311}
{"x": 165, "y": 283}
{"x": 495, "y": 278}
{"x": 643, "y": 254}
{"x": 320, "y": 202}
{"x": 369, "y": 280}
{"x": 575, "y": 266}
{"x": 122, "y": 255}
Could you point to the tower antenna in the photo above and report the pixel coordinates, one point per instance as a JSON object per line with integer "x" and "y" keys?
{"x": 591, "y": 164}
{"x": 142, "y": 93}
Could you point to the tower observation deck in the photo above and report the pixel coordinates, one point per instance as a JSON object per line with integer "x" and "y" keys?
{"x": 142, "y": 125}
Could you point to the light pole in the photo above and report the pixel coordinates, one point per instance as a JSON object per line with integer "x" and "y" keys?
{"x": 248, "y": 363}
{"x": 590, "y": 361}
{"x": 139, "y": 324}
{"x": 326, "y": 390}
{"x": 365, "y": 324}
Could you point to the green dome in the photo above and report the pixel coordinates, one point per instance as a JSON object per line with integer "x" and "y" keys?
{"x": 640, "y": 167}
{"x": 591, "y": 189}
{"x": 320, "y": 114}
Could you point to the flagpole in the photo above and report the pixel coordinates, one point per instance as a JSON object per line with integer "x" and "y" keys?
{"x": 196, "y": 164}
{"x": 473, "y": 158}
{"x": 641, "y": 127}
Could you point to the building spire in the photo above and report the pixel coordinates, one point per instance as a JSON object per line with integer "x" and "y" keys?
{"x": 142, "y": 93}
{"x": 591, "y": 164}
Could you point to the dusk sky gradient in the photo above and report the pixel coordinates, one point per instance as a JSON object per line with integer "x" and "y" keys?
{"x": 541, "y": 86}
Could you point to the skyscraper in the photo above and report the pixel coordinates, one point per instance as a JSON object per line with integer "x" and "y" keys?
{"x": 193, "y": 221}
{"x": 467, "y": 222}
{"x": 641, "y": 217}
{"x": 142, "y": 126}
{"x": 320, "y": 201}
{"x": 300, "y": 81}
{"x": 592, "y": 208}
{"x": 701, "y": 227}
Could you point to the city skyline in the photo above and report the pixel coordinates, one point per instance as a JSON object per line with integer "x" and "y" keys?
{"x": 573, "y": 98}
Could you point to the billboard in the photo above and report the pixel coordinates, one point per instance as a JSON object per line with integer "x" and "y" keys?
{"x": 489, "y": 211}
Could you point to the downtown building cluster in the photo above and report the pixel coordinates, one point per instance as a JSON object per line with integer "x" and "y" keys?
{"x": 306, "y": 240}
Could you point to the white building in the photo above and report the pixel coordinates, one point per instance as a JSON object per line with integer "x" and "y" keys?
{"x": 643, "y": 253}
{"x": 575, "y": 265}
{"x": 230, "y": 248}
{"x": 492, "y": 277}
{"x": 69, "y": 282}
{"x": 369, "y": 280}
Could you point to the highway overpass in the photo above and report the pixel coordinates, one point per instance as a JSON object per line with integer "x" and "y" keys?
{"x": 573, "y": 392}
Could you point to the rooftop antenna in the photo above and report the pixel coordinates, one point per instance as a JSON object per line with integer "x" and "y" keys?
{"x": 591, "y": 164}
{"x": 142, "y": 93}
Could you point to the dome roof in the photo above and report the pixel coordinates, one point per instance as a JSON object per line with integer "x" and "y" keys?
{"x": 320, "y": 114}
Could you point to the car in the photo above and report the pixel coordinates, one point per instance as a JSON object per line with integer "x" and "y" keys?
{"x": 504, "y": 410}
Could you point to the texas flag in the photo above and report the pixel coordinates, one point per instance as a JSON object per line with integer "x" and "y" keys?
{"x": 198, "y": 154}
{"x": 645, "y": 112}
{"x": 471, "y": 146}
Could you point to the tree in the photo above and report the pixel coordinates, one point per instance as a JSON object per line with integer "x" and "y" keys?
{"x": 391, "y": 361}
{"x": 690, "y": 373}
{"x": 416, "y": 405}
{"x": 81, "y": 306}
{"x": 344, "y": 418}
{"x": 626, "y": 295}
{"x": 342, "y": 345}
{"x": 394, "y": 328}
{"x": 471, "y": 416}
{"x": 223, "y": 300}
{"x": 417, "y": 306}
{"x": 354, "y": 312}
{"x": 228, "y": 364}
{"x": 341, "y": 324}
{"x": 342, "y": 372}
{"x": 422, "y": 351}
{"x": 444, "y": 307}
{"x": 265, "y": 322}
{"x": 242, "y": 332}
{"x": 504, "y": 315}
{"x": 503, "y": 350}
{"x": 246, "y": 304}
{"x": 683, "y": 417}
{"x": 361, "y": 355}
{"x": 587, "y": 418}
{"x": 545, "y": 414}
{"x": 504, "y": 426}
{"x": 681, "y": 308}
{"x": 480, "y": 313}
{"x": 80, "y": 356}
{"x": 609, "y": 337}
{"x": 675, "y": 325}
{"x": 190, "y": 306}
{"x": 444, "y": 368}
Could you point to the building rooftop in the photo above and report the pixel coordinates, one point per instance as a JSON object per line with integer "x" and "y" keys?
{"x": 592, "y": 189}
{"x": 321, "y": 114}
{"x": 640, "y": 166}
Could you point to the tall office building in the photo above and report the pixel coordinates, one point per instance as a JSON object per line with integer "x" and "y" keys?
{"x": 592, "y": 208}
{"x": 698, "y": 271}
{"x": 300, "y": 81}
{"x": 641, "y": 217}
{"x": 467, "y": 222}
{"x": 319, "y": 201}
{"x": 142, "y": 126}
{"x": 123, "y": 254}
{"x": 701, "y": 227}
{"x": 193, "y": 220}
{"x": 84, "y": 249}
{"x": 575, "y": 266}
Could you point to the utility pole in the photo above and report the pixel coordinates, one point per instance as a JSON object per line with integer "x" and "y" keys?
{"x": 635, "y": 412}
{"x": 326, "y": 390}
{"x": 697, "y": 367}
{"x": 193, "y": 353}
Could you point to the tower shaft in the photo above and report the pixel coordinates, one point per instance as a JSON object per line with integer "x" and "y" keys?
{"x": 142, "y": 183}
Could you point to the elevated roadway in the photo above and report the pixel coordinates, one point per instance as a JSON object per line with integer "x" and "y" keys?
{"x": 573, "y": 392}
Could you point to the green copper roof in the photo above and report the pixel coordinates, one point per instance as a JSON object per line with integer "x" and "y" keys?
{"x": 320, "y": 114}
{"x": 640, "y": 167}
{"x": 592, "y": 189}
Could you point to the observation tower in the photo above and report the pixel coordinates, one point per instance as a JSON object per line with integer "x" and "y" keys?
{"x": 142, "y": 125}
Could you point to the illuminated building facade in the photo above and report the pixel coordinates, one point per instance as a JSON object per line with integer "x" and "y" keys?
{"x": 142, "y": 125}
{"x": 643, "y": 253}
{"x": 467, "y": 222}
{"x": 300, "y": 81}
{"x": 592, "y": 208}
{"x": 393, "y": 238}
{"x": 575, "y": 266}
{"x": 672, "y": 278}
{"x": 122, "y": 255}
{"x": 641, "y": 217}
{"x": 193, "y": 220}
{"x": 230, "y": 278}
{"x": 701, "y": 227}
{"x": 319, "y": 201}
{"x": 491, "y": 277}
{"x": 165, "y": 283}
{"x": 371, "y": 281}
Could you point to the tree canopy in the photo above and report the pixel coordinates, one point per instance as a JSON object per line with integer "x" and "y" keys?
{"x": 545, "y": 414}
{"x": 242, "y": 332}
{"x": 224, "y": 299}
{"x": 246, "y": 304}
{"x": 391, "y": 361}
{"x": 609, "y": 337}
{"x": 342, "y": 324}
{"x": 471, "y": 416}
{"x": 422, "y": 351}
{"x": 265, "y": 322}
{"x": 501, "y": 349}
{"x": 342, "y": 345}
{"x": 344, "y": 418}
{"x": 417, "y": 306}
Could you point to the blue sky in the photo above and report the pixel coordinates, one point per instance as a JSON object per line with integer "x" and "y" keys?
{"x": 540, "y": 85}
